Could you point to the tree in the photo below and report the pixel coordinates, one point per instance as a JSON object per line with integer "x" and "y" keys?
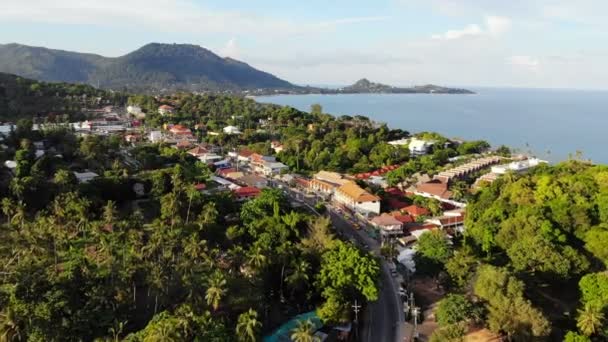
{"x": 432, "y": 252}
{"x": 594, "y": 289}
{"x": 454, "y": 308}
{"x": 347, "y": 272}
{"x": 304, "y": 332}
{"x": 8, "y": 208}
{"x": 572, "y": 336}
{"x": 450, "y": 333}
{"x": 247, "y": 326}
{"x": 216, "y": 290}
{"x": 461, "y": 267}
{"x": 10, "y": 327}
{"x": 316, "y": 109}
{"x": 590, "y": 319}
{"x": 508, "y": 310}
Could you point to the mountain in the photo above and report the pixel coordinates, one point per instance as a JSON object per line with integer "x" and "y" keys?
{"x": 154, "y": 67}
{"x": 363, "y": 86}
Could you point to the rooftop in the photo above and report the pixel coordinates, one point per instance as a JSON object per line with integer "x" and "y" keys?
{"x": 356, "y": 193}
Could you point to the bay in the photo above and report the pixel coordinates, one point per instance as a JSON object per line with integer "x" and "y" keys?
{"x": 552, "y": 123}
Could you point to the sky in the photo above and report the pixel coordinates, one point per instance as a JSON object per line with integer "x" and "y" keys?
{"x": 518, "y": 43}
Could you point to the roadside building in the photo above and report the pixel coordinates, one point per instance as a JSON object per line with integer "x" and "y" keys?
{"x": 434, "y": 189}
{"x": 244, "y": 154}
{"x": 198, "y": 151}
{"x": 357, "y": 199}
{"x": 389, "y": 226}
{"x": 325, "y": 182}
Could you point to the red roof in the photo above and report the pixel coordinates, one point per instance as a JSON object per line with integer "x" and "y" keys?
{"x": 247, "y": 191}
{"x": 394, "y": 192}
{"x": 200, "y": 186}
{"x": 224, "y": 172}
{"x": 402, "y": 218}
{"x": 245, "y": 152}
{"x": 416, "y": 211}
{"x": 435, "y": 188}
{"x": 166, "y": 107}
{"x": 302, "y": 182}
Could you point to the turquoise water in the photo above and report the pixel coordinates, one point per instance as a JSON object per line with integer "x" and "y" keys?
{"x": 551, "y": 123}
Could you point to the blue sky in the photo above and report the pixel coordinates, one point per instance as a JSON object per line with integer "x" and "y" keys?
{"x": 526, "y": 43}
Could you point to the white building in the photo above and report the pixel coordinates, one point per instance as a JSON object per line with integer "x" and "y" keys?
{"x": 400, "y": 142}
{"x": 517, "y": 166}
{"x": 156, "y": 136}
{"x": 231, "y": 130}
{"x": 270, "y": 168}
{"x": 419, "y": 147}
{"x": 85, "y": 177}
{"x": 357, "y": 199}
{"x": 136, "y": 111}
{"x": 388, "y": 225}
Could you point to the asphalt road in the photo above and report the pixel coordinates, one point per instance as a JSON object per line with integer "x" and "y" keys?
{"x": 381, "y": 319}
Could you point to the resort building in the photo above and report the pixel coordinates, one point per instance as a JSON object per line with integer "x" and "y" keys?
{"x": 419, "y": 147}
{"x": 325, "y": 182}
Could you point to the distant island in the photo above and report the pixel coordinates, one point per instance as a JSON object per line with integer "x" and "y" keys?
{"x": 167, "y": 68}
{"x": 365, "y": 86}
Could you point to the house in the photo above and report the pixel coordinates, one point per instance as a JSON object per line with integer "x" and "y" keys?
{"x": 400, "y": 142}
{"x": 165, "y": 110}
{"x": 254, "y": 181}
{"x": 231, "y": 130}
{"x": 246, "y": 193}
{"x": 156, "y": 136}
{"x": 210, "y": 158}
{"x": 198, "y": 151}
{"x": 271, "y": 168}
{"x": 85, "y": 177}
{"x": 388, "y": 225}
{"x": 224, "y": 183}
{"x": 357, "y": 199}
{"x": 403, "y": 218}
{"x": 434, "y": 189}
{"x": 419, "y": 147}
{"x": 243, "y": 155}
{"x": 276, "y": 146}
{"x": 419, "y": 229}
{"x": 451, "y": 220}
{"x": 180, "y": 131}
{"x": 183, "y": 145}
{"x": 416, "y": 211}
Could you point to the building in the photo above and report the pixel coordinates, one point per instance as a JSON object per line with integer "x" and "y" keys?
{"x": 419, "y": 147}
{"x": 243, "y": 155}
{"x": 266, "y": 165}
{"x": 388, "y": 225}
{"x": 416, "y": 211}
{"x": 400, "y": 142}
{"x": 326, "y": 182}
{"x": 247, "y": 192}
{"x": 434, "y": 189}
{"x": 180, "y": 131}
{"x": 277, "y": 146}
{"x": 253, "y": 181}
{"x": 85, "y": 177}
{"x": 517, "y": 166}
{"x": 198, "y": 151}
{"x": 156, "y": 136}
{"x": 357, "y": 199}
{"x": 467, "y": 169}
{"x": 231, "y": 130}
{"x": 165, "y": 110}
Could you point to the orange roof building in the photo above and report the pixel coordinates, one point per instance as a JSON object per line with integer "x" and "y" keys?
{"x": 356, "y": 198}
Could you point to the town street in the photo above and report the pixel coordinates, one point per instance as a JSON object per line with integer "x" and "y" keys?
{"x": 383, "y": 318}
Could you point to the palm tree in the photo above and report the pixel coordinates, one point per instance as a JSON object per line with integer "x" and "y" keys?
{"x": 257, "y": 259}
{"x": 299, "y": 274}
{"x": 590, "y": 319}
{"x": 248, "y": 326}
{"x": 191, "y": 192}
{"x": 304, "y": 332}
{"x": 216, "y": 290}
{"x": 19, "y": 215}
{"x": 10, "y": 329}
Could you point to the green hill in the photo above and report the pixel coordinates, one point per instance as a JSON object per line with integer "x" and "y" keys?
{"x": 154, "y": 67}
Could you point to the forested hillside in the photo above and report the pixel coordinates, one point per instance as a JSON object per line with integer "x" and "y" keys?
{"x": 534, "y": 255}
{"x": 22, "y": 98}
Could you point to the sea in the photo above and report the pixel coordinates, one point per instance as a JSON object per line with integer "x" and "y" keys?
{"x": 553, "y": 124}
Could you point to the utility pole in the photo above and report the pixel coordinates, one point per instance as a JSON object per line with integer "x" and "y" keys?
{"x": 356, "y": 308}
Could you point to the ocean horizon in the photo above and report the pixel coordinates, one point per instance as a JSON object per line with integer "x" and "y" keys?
{"x": 553, "y": 124}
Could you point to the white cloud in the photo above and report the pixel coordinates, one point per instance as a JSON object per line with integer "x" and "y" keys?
{"x": 163, "y": 15}
{"x": 497, "y": 25}
{"x": 472, "y": 30}
{"x": 493, "y": 26}
{"x": 528, "y": 62}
